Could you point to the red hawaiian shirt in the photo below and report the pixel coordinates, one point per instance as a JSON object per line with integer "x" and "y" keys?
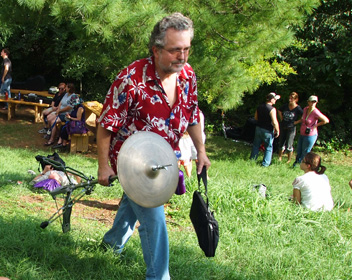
{"x": 136, "y": 101}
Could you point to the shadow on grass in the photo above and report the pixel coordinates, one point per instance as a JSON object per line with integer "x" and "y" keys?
{"x": 99, "y": 205}
{"x": 28, "y": 252}
{"x": 229, "y": 149}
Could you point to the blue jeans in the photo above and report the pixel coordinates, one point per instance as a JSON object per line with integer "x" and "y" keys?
{"x": 305, "y": 145}
{"x": 266, "y": 136}
{"x": 152, "y": 232}
{"x": 5, "y": 86}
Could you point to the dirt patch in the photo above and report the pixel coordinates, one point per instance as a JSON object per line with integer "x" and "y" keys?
{"x": 101, "y": 211}
{"x": 23, "y": 132}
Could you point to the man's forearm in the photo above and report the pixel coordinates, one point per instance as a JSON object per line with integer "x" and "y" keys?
{"x": 195, "y": 131}
{"x": 103, "y": 143}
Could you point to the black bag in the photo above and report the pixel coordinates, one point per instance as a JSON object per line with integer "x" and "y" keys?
{"x": 203, "y": 220}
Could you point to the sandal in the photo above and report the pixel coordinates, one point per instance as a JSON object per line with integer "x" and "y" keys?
{"x": 48, "y": 143}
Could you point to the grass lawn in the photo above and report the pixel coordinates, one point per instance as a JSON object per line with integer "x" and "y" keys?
{"x": 260, "y": 238}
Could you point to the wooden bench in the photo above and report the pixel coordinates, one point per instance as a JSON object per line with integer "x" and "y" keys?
{"x": 12, "y": 104}
{"x": 79, "y": 142}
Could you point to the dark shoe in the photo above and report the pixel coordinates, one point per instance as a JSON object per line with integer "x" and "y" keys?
{"x": 104, "y": 246}
{"x": 58, "y": 146}
{"x": 48, "y": 143}
{"x": 4, "y": 108}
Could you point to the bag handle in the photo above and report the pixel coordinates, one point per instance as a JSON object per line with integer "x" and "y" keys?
{"x": 203, "y": 176}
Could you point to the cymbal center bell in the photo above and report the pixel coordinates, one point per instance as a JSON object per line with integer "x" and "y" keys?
{"x": 150, "y": 171}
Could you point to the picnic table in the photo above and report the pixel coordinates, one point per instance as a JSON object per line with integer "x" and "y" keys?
{"x": 12, "y": 105}
{"x": 25, "y": 92}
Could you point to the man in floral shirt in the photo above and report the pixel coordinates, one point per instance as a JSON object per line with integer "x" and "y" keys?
{"x": 157, "y": 94}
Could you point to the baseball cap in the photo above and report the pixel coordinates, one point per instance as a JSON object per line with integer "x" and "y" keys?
{"x": 313, "y": 98}
{"x": 272, "y": 95}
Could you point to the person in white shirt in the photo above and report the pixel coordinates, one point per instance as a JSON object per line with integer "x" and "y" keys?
{"x": 312, "y": 190}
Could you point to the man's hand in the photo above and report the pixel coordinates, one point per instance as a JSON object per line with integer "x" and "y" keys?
{"x": 103, "y": 175}
{"x": 276, "y": 134}
{"x": 202, "y": 160}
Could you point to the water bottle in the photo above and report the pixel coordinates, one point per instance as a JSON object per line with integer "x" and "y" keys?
{"x": 19, "y": 95}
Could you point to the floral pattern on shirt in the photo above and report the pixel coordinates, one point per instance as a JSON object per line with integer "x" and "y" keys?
{"x": 136, "y": 101}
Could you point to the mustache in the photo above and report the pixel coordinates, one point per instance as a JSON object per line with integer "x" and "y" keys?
{"x": 178, "y": 61}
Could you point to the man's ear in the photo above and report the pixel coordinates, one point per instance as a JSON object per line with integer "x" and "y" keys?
{"x": 155, "y": 51}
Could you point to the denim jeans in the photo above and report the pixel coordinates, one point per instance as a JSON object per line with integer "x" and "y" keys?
{"x": 152, "y": 232}
{"x": 305, "y": 145}
{"x": 5, "y": 86}
{"x": 263, "y": 136}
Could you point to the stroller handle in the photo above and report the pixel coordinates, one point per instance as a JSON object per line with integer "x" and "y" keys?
{"x": 72, "y": 187}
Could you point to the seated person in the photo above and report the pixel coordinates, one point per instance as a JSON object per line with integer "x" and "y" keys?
{"x": 50, "y": 179}
{"x": 53, "y": 107}
{"x": 75, "y": 125}
{"x": 312, "y": 190}
{"x": 59, "y": 114}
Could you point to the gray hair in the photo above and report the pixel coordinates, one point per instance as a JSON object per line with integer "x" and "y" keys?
{"x": 176, "y": 21}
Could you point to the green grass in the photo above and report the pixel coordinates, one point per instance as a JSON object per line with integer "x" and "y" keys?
{"x": 259, "y": 238}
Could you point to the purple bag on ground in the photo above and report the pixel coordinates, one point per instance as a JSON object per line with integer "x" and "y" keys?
{"x": 181, "y": 187}
{"x": 47, "y": 184}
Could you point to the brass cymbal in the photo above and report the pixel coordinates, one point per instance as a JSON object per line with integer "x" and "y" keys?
{"x": 147, "y": 169}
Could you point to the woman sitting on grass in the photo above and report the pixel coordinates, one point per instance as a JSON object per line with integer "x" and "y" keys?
{"x": 312, "y": 190}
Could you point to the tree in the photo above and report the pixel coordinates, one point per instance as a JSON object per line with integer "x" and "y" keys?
{"x": 91, "y": 40}
{"x": 322, "y": 59}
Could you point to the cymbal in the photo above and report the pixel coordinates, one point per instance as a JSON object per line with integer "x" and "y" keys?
{"x": 147, "y": 169}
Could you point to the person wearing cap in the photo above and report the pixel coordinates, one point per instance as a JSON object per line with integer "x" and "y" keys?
{"x": 267, "y": 128}
{"x": 290, "y": 115}
{"x": 311, "y": 119}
